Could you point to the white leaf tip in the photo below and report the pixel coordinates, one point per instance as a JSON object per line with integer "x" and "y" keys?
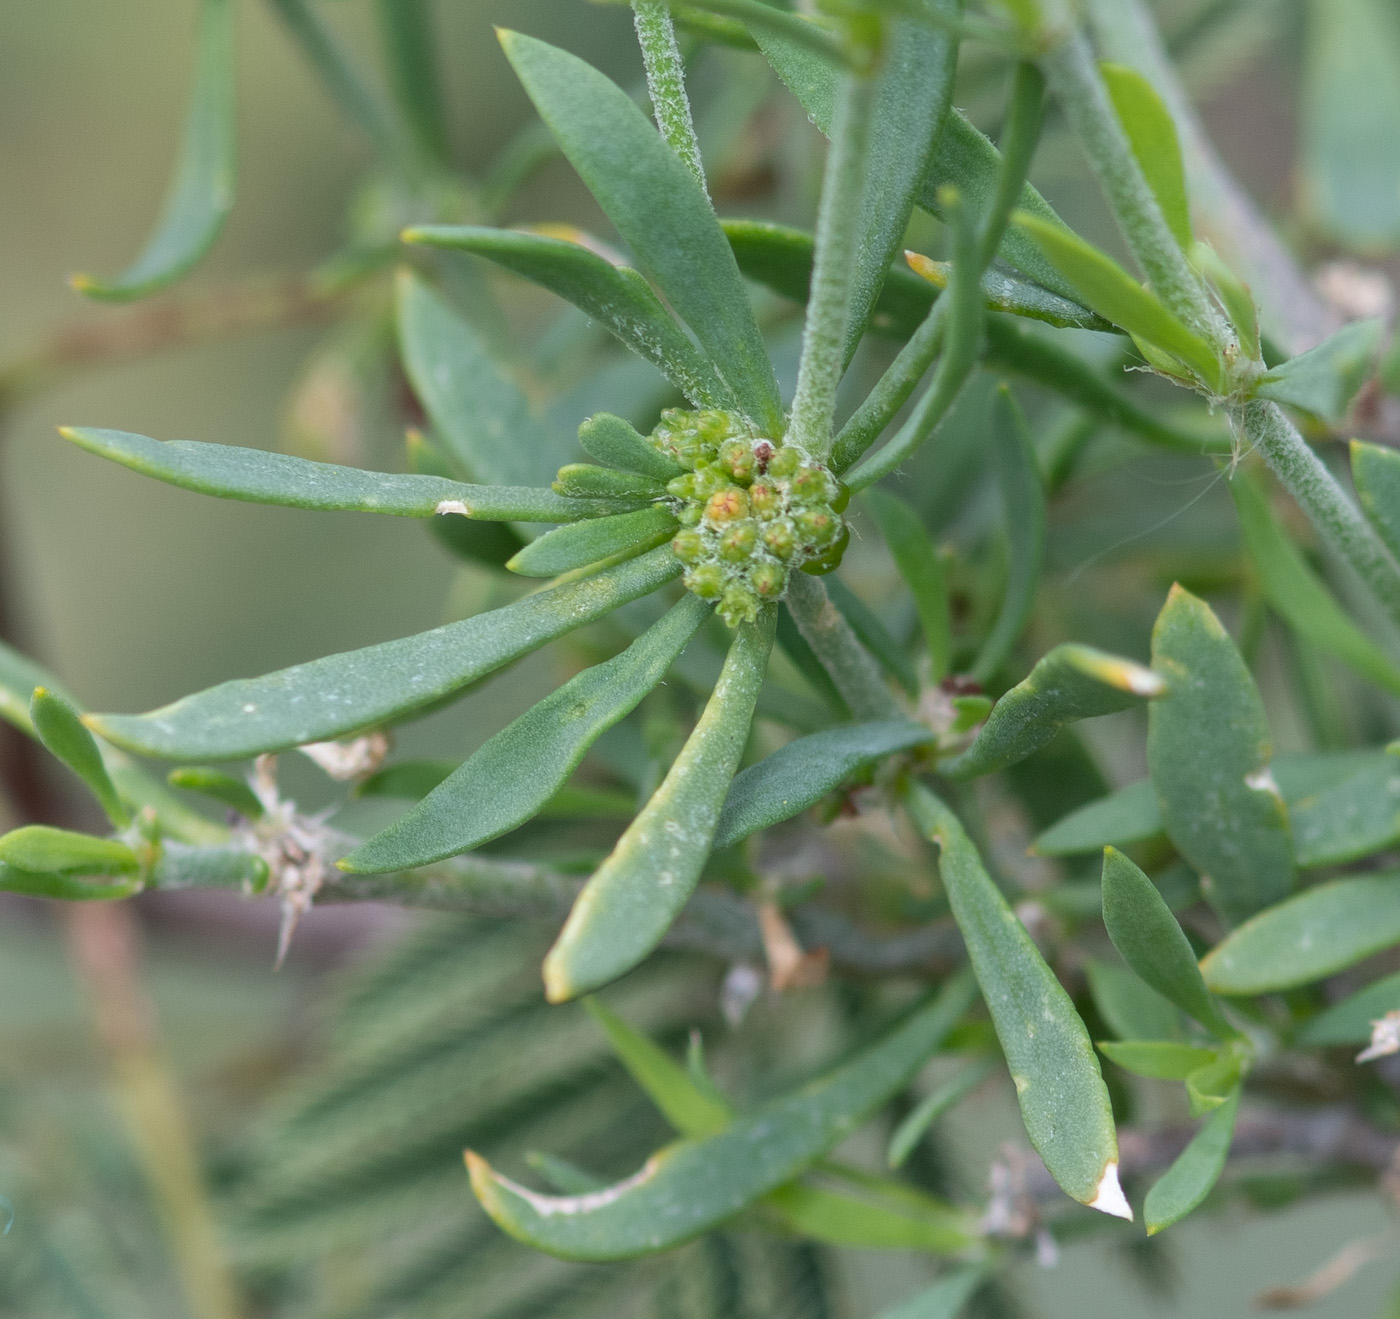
{"x": 1108, "y": 1195}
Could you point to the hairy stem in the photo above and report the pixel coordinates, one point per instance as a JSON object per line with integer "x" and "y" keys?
{"x": 656, "y": 35}
{"x": 833, "y": 269}
{"x": 1329, "y": 509}
{"x": 852, "y": 669}
{"x": 1296, "y": 316}
{"x": 1075, "y": 80}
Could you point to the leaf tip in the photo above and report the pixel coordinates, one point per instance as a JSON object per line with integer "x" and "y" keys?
{"x": 1108, "y": 1195}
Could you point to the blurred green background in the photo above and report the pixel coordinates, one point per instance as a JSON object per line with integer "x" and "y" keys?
{"x": 135, "y": 593}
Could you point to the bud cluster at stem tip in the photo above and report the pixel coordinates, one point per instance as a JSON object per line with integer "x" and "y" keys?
{"x": 751, "y": 510}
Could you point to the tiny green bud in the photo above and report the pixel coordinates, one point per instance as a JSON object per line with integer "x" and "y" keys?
{"x": 830, "y": 560}
{"x": 780, "y": 538}
{"x": 682, "y": 487}
{"x": 811, "y": 485}
{"x": 738, "y": 540}
{"x": 764, "y": 499}
{"x": 816, "y": 526}
{"x": 706, "y": 580}
{"x": 841, "y": 500}
{"x": 688, "y": 546}
{"x": 785, "y": 461}
{"x": 690, "y": 515}
{"x": 727, "y": 505}
{"x": 739, "y": 605}
{"x": 737, "y": 459}
{"x": 768, "y": 579}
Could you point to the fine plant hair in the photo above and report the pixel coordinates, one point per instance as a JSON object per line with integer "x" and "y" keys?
{"x": 846, "y": 486}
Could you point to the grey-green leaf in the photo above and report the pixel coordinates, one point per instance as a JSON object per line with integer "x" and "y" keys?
{"x": 62, "y": 731}
{"x": 1130, "y": 815}
{"x": 217, "y": 786}
{"x": 1072, "y": 682}
{"x": 37, "y": 847}
{"x": 631, "y": 900}
{"x": 933, "y": 1106}
{"x": 692, "y": 1185}
{"x": 201, "y": 193}
{"x": 229, "y": 471}
{"x": 1147, "y": 935}
{"x": 917, "y": 559}
{"x": 617, "y": 297}
{"x": 1348, "y": 820}
{"x": 1313, "y": 935}
{"x": 1064, "y": 1102}
{"x": 340, "y": 694}
{"x": 1152, "y": 136}
{"x": 511, "y": 776}
{"x": 1162, "y": 1060}
{"x": 1376, "y": 471}
{"x": 1324, "y": 380}
{"x": 1132, "y": 1009}
{"x": 583, "y": 543}
{"x": 800, "y": 774}
{"x": 1208, "y": 749}
{"x": 617, "y": 443}
{"x": 64, "y": 888}
{"x": 1196, "y": 1169}
{"x": 1349, "y": 1022}
{"x": 659, "y": 209}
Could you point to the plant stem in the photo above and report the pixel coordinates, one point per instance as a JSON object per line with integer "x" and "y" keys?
{"x": 406, "y": 33}
{"x": 1296, "y": 316}
{"x": 833, "y": 269}
{"x": 666, "y": 81}
{"x": 1326, "y": 504}
{"x": 1075, "y": 80}
{"x": 1024, "y": 118}
{"x": 852, "y": 669}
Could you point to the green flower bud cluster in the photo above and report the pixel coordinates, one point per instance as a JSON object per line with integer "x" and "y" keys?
{"x": 751, "y": 510}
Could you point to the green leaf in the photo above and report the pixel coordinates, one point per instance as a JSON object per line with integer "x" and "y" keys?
{"x": 346, "y": 693}
{"x": 693, "y": 1185}
{"x": 1208, "y": 750}
{"x": 1376, "y": 471}
{"x": 1350, "y": 106}
{"x": 1233, "y": 293}
{"x": 1152, "y": 136}
{"x": 1131, "y": 1008}
{"x": 873, "y": 635}
{"x": 1308, "y": 937}
{"x": 911, "y": 97}
{"x": 1324, "y": 380}
{"x": 1130, "y": 815}
{"x": 659, "y": 209}
{"x": 918, "y": 563}
{"x": 1212, "y": 1084}
{"x": 616, "y": 443}
{"x": 945, "y": 1299}
{"x": 582, "y": 543}
{"x": 631, "y": 900}
{"x": 480, "y": 415}
{"x": 1298, "y": 595}
{"x": 1348, "y": 820}
{"x": 588, "y": 481}
{"x": 409, "y": 778}
{"x": 64, "y": 888}
{"x": 1006, "y": 293}
{"x": 800, "y": 774}
{"x": 1072, "y": 682}
{"x": 201, "y": 193}
{"x": 694, "y": 1112}
{"x": 1064, "y": 1102}
{"x": 1162, "y": 1060}
{"x": 19, "y": 676}
{"x": 933, "y": 1106}
{"x": 912, "y": 1222}
{"x": 229, "y": 471}
{"x": 1106, "y": 287}
{"x": 617, "y": 297}
{"x": 1196, "y": 1169}
{"x": 61, "y": 730}
{"x": 1349, "y": 1022}
{"x": 1023, "y": 505}
{"x": 1145, "y": 932}
{"x": 224, "y": 788}
{"x": 37, "y": 847}
{"x": 511, "y": 776}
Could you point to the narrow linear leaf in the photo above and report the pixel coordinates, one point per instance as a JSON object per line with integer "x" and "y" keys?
{"x": 631, "y": 900}
{"x": 690, "y": 1186}
{"x": 873, "y": 635}
{"x": 1211, "y": 1085}
{"x": 1324, "y": 380}
{"x": 19, "y": 676}
{"x": 1130, "y": 1007}
{"x": 262, "y": 477}
{"x": 617, "y": 443}
{"x": 201, "y": 193}
{"x": 37, "y": 847}
{"x": 480, "y": 415}
{"x": 588, "y": 481}
{"x": 861, "y": 1223}
{"x": 1023, "y": 505}
{"x": 512, "y": 776}
{"x": 582, "y": 543}
{"x": 945, "y": 1299}
{"x": 1350, "y": 1021}
{"x": 1072, "y": 682}
{"x": 1233, "y": 293}
{"x": 933, "y": 1106}
{"x": 1299, "y": 596}
{"x": 1308, "y": 937}
{"x": 1015, "y": 297}
{"x": 1152, "y": 136}
{"x": 617, "y": 297}
{"x": 64, "y": 888}
{"x": 61, "y": 730}
{"x": 1130, "y": 815}
{"x": 1064, "y": 1102}
{"x": 659, "y": 209}
{"x": 1376, "y": 471}
{"x": 346, "y": 693}
{"x": 1196, "y": 1170}
{"x": 222, "y": 788}
{"x": 917, "y": 559}
{"x": 1106, "y": 287}
{"x": 1162, "y": 1060}
{"x": 1208, "y": 749}
{"x": 800, "y": 774}
{"x": 1145, "y": 932}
